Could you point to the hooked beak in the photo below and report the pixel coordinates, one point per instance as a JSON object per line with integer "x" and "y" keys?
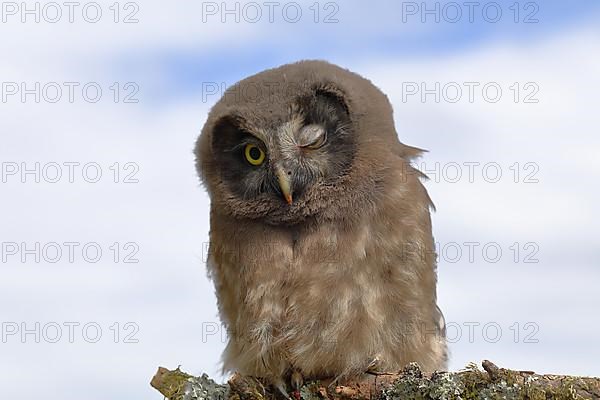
{"x": 284, "y": 184}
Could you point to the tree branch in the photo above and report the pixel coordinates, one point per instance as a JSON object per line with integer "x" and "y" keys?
{"x": 471, "y": 383}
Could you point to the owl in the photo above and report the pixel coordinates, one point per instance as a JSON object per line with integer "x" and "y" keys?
{"x": 321, "y": 249}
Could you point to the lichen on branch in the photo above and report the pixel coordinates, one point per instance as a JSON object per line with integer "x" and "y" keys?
{"x": 471, "y": 383}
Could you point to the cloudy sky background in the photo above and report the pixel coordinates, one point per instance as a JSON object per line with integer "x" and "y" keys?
{"x": 174, "y": 56}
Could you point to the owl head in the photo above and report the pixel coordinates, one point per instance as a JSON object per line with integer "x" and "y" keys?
{"x": 304, "y": 141}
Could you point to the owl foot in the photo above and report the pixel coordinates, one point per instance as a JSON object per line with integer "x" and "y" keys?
{"x": 296, "y": 379}
{"x": 374, "y": 367}
{"x": 280, "y": 386}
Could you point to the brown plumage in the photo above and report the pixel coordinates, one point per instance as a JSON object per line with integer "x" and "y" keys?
{"x": 321, "y": 254}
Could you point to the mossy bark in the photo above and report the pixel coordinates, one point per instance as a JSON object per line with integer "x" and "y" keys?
{"x": 471, "y": 383}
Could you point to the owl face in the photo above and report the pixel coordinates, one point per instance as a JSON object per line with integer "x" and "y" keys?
{"x": 307, "y": 141}
{"x": 277, "y": 166}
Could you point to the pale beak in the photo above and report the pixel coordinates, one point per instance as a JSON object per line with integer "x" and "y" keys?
{"x": 284, "y": 184}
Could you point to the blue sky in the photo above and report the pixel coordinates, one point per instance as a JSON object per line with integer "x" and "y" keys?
{"x": 363, "y": 32}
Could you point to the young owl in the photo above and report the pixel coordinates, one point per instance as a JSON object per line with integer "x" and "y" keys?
{"x": 321, "y": 248}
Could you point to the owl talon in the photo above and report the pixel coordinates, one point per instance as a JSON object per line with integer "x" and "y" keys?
{"x": 280, "y": 386}
{"x": 296, "y": 379}
{"x": 374, "y": 367}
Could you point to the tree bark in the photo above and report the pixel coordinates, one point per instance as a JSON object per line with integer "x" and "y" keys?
{"x": 411, "y": 383}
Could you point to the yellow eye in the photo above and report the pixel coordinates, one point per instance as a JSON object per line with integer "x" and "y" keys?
{"x": 254, "y": 154}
